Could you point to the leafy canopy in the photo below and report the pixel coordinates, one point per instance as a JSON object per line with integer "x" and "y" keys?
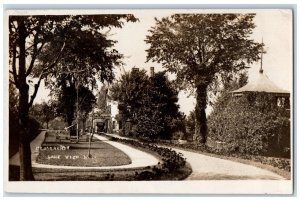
{"x": 149, "y": 102}
{"x": 199, "y": 47}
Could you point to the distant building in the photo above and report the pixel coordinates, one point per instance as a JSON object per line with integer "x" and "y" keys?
{"x": 101, "y": 119}
{"x": 135, "y": 69}
{"x": 263, "y": 84}
{"x": 151, "y": 71}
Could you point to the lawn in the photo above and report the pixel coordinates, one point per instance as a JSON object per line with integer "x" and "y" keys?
{"x": 63, "y": 152}
{"x": 111, "y": 156}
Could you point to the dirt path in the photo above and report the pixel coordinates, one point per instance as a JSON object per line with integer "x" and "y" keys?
{"x": 211, "y": 168}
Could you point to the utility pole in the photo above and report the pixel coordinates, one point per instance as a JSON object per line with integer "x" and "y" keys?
{"x": 91, "y": 136}
{"x": 77, "y": 106}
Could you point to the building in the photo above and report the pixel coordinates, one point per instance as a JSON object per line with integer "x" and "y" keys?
{"x": 263, "y": 84}
{"x": 101, "y": 118}
{"x": 280, "y": 143}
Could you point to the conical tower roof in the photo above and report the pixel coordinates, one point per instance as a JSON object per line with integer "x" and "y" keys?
{"x": 262, "y": 84}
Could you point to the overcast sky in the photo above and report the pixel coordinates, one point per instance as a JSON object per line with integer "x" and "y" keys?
{"x": 274, "y": 26}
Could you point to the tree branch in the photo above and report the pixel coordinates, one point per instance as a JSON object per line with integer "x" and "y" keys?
{"x": 12, "y": 82}
{"x": 45, "y": 70}
{"x": 14, "y": 69}
{"x": 35, "y": 53}
{"x": 43, "y": 74}
{"x": 36, "y": 87}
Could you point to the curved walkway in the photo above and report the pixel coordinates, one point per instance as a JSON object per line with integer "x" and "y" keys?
{"x": 138, "y": 158}
{"x": 211, "y": 168}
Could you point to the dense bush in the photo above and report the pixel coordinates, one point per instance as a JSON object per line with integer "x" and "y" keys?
{"x": 149, "y": 103}
{"x": 251, "y": 124}
{"x": 149, "y": 126}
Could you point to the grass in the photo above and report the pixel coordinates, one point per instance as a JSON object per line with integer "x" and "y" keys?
{"x": 103, "y": 154}
{"x": 122, "y": 174}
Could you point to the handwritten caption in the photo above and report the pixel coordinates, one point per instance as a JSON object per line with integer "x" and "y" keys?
{"x": 60, "y": 156}
{"x": 68, "y": 157}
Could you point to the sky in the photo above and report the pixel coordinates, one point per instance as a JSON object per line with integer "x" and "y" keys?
{"x": 273, "y": 26}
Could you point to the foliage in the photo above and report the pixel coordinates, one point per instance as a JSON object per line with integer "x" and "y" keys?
{"x": 102, "y": 100}
{"x": 67, "y": 103}
{"x": 29, "y": 38}
{"x": 57, "y": 124}
{"x": 199, "y": 48}
{"x": 190, "y": 124}
{"x": 256, "y": 125}
{"x": 149, "y": 125}
{"x": 150, "y": 104}
{"x": 163, "y": 99}
{"x": 44, "y": 112}
{"x": 171, "y": 161}
{"x": 131, "y": 93}
{"x": 86, "y": 100}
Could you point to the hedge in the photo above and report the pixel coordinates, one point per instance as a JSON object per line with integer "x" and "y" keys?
{"x": 251, "y": 124}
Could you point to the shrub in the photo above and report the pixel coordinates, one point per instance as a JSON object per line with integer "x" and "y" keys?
{"x": 149, "y": 125}
{"x": 251, "y": 124}
{"x": 171, "y": 160}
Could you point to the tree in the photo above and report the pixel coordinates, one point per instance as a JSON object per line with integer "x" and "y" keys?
{"x": 230, "y": 84}
{"x": 199, "y": 48}
{"x": 86, "y": 102}
{"x": 66, "y": 98}
{"x": 251, "y": 124}
{"x": 131, "y": 93}
{"x": 149, "y": 103}
{"x": 190, "y": 124}
{"x": 163, "y": 99}
{"x": 28, "y": 36}
{"x": 43, "y": 112}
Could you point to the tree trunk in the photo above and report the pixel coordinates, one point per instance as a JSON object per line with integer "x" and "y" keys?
{"x": 24, "y": 143}
{"x": 71, "y": 128}
{"x": 83, "y": 125}
{"x": 200, "y": 114}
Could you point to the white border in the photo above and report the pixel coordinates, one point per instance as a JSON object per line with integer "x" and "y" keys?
{"x": 139, "y": 187}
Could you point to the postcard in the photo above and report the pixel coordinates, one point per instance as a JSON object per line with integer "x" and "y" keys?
{"x": 164, "y": 101}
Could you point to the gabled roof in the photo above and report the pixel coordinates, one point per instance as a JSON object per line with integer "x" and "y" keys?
{"x": 262, "y": 84}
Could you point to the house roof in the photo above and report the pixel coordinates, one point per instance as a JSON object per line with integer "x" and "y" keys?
{"x": 262, "y": 84}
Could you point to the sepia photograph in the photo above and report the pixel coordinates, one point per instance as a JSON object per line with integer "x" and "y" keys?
{"x": 149, "y": 101}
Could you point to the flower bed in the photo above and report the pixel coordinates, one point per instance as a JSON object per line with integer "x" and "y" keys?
{"x": 173, "y": 164}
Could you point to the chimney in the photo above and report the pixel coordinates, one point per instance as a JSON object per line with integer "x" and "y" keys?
{"x": 134, "y": 69}
{"x": 151, "y": 71}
